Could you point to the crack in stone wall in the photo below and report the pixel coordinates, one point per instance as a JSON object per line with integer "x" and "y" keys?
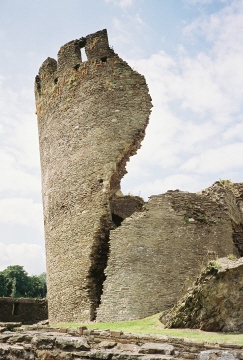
{"x": 99, "y": 257}
{"x": 92, "y": 117}
{"x": 156, "y": 251}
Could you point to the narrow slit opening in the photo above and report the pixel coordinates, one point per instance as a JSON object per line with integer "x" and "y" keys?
{"x": 83, "y": 54}
{"x": 15, "y": 309}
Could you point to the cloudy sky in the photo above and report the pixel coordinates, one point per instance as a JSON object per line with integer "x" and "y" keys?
{"x": 191, "y": 53}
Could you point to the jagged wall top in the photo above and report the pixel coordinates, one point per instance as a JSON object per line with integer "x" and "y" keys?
{"x": 96, "y": 47}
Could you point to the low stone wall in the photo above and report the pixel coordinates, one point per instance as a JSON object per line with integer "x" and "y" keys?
{"x": 27, "y": 311}
{"x": 49, "y": 344}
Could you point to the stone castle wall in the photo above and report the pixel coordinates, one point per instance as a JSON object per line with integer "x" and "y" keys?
{"x": 124, "y": 206}
{"x": 92, "y": 117}
{"x": 230, "y": 196}
{"x": 157, "y": 251}
{"x": 27, "y": 311}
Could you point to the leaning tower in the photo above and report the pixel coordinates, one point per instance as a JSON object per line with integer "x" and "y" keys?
{"x": 92, "y": 117}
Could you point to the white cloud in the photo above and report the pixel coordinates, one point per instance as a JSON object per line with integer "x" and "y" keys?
{"x": 196, "y": 124}
{"x": 122, "y": 3}
{"x": 19, "y": 180}
{"x": 159, "y": 185}
{"x": 31, "y": 256}
{"x": 2, "y": 34}
{"x": 19, "y": 135}
{"x": 21, "y": 211}
{"x": 198, "y": 2}
{"x": 22, "y": 143}
{"x": 19, "y": 153}
{"x": 15, "y": 179}
{"x": 220, "y": 28}
{"x": 124, "y": 25}
{"x": 234, "y": 131}
{"x": 217, "y": 160}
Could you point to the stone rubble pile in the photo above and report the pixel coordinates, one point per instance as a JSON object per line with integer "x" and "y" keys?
{"x": 214, "y": 301}
{"x": 46, "y": 343}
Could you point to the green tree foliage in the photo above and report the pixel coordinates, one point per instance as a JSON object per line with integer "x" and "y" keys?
{"x": 3, "y": 287}
{"x": 37, "y": 289}
{"x": 15, "y": 282}
{"x": 42, "y": 278}
{"x": 14, "y": 293}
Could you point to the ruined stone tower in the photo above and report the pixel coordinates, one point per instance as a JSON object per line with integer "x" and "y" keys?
{"x": 92, "y": 117}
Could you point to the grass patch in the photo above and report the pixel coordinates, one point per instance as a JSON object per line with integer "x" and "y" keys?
{"x": 151, "y": 325}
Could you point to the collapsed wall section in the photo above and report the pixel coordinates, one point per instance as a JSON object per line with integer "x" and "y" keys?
{"x": 92, "y": 117}
{"x": 158, "y": 250}
{"x": 230, "y": 196}
{"x": 214, "y": 302}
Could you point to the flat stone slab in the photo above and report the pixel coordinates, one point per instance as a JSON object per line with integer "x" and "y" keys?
{"x": 10, "y": 325}
{"x": 73, "y": 342}
{"x": 157, "y": 357}
{"x": 107, "y": 344}
{"x": 216, "y": 355}
{"x": 154, "y": 348}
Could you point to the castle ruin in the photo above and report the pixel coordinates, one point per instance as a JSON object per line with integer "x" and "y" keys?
{"x": 92, "y": 117}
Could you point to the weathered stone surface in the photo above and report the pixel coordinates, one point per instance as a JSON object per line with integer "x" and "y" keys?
{"x": 151, "y": 348}
{"x": 215, "y": 301}
{"x": 126, "y": 355}
{"x": 92, "y": 117}
{"x": 157, "y": 357}
{"x": 53, "y": 355}
{"x": 42, "y": 341}
{"x": 216, "y": 355}
{"x": 14, "y": 352}
{"x": 43, "y": 322}
{"x": 155, "y": 251}
{"x": 116, "y": 333}
{"x": 230, "y": 196}
{"x": 19, "y": 338}
{"x": 81, "y": 329}
{"x": 22, "y": 310}
{"x": 72, "y": 343}
{"x": 107, "y": 344}
{"x": 94, "y": 354}
{"x": 124, "y": 206}
{"x": 10, "y": 325}
{"x": 127, "y": 347}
